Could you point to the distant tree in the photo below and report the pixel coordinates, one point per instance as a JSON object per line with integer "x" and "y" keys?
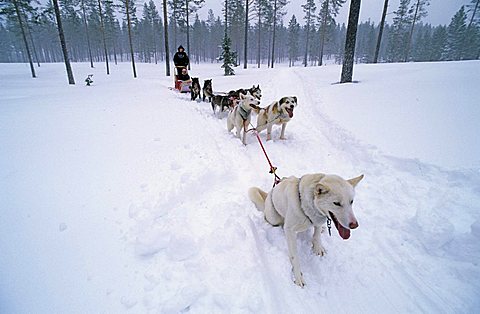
{"x": 102, "y": 29}
{"x": 399, "y": 33}
{"x": 380, "y": 31}
{"x": 309, "y": 8}
{"x": 130, "y": 14}
{"x": 165, "y": 30}
{"x": 419, "y": 10}
{"x": 245, "y": 36}
{"x": 293, "y": 37}
{"x": 14, "y": 9}
{"x": 328, "y": 11}
{"x": 278, "y": 13}
{"x": 455, "y": 48}
{"x": 439, "y": 43}
{"x": 191, "y": 6}
{"x": 87, "y": 33}
{"x": 474, "y": 8}
{"x": 347, "y": 68}
{"x": 63, "y": 43}
{"x": 227, "y": 55}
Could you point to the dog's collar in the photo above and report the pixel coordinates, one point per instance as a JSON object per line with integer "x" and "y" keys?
{"x": 329, "y": 221}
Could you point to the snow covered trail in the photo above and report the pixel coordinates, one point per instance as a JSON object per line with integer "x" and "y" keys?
{"x": 134, "y": 199}
{"x": 381, "y": 253}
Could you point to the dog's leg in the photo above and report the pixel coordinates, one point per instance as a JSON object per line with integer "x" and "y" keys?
{"x": 317, "y": 241}
{"x": 269, "y": 132}
{"x": 245, "y": 127}
{"x": 291, "y": 236}
{"x": 282, "y": 135}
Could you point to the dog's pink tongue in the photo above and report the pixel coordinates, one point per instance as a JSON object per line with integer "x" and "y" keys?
{"x": 290, "y": 113}
{"x": 343, "y": 232}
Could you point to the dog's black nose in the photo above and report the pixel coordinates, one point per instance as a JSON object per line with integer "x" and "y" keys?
{"x": 292, "y": 106}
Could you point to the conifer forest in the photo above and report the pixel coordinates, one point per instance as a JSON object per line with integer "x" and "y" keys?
{"x": 257, "y": 32}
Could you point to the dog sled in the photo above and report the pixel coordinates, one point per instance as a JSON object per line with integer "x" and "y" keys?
{"x": 183, "y": 86}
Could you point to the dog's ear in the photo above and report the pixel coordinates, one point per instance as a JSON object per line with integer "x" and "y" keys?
{"x": 355, "y": 181}
{"x": 242, "y": 96}
{"x": 295, "y": 98}
{"x": 321, "y": 189}
{"x": 258, "y": 86}
{"x": 282, "y": 100}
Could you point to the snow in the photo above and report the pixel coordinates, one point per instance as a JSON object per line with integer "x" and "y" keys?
{"x": 127, "y": 197}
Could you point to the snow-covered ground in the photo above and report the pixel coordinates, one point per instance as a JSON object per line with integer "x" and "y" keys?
{"x": 127, "y": 197}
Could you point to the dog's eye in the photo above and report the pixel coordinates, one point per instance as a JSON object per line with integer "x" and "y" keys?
{"x": 351, "y": 202}
{"x": 337, "y": 204}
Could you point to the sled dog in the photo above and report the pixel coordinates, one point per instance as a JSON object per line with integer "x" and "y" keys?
{"x": 300, "y": 203}
{"x": 255, "y": 91}
{"x": 195, "y": 89}
{"x": 279, "y": 113}
{"x": 221, "y": 101}
{"x": 207, "y": 90}
{"x": 240, "y": 116}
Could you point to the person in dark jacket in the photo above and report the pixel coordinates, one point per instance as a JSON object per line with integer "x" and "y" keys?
{"x": 183, "y": 76}
{"x": 180, "y": 59}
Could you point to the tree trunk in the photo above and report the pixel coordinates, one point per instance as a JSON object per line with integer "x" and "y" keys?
{"x": 129, "y": 26}
{"x": 410, "y": 35}
{"x": 322, "y": 39}
{"x": 86, "y": 32}
{"x": 165, "y": 33}
{"x": 17, "y": 10}
{"x": 188, "y": 30}
{"x": 473, "y": 14}
{"x": 380, "y": 32}
{"x": 102, "y": 29}
{"x": 274, "y": 27}
{"x": 259, "y": 37}
{"x": 245, "y": 43}
{"x": 71, "y": 80}
{"x": 306, "y": 41}
{"x": 347, "y": 68}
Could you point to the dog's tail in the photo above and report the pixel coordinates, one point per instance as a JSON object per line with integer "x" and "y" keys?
{"x": 258, "y": 197}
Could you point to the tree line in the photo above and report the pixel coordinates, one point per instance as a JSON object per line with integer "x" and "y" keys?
{"x": 114, "y": 31}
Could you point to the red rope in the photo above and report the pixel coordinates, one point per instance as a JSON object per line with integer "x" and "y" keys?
{"x": 276, "y": 179}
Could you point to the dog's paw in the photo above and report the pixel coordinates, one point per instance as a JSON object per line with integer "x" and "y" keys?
{"x": 299, "y": 281}
{"x": 319, "y": 250}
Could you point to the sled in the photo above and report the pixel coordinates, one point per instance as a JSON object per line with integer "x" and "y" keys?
{"x": 182, "y": 86}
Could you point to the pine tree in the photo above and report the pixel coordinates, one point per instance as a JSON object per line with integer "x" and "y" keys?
{"x": 419, "y": 11}
{"x": 309, "y": 8}
{"x": 278, "y": 13}
{"x": 165, "y": 37}
{"x": 399, "y": 33}
{"x": 227, "y": 56}
{"x": 293, "y": 37}
{"x": 455, "y": 49}
{"x": 328, "y": 12}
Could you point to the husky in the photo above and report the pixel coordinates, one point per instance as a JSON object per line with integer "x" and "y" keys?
{"x": 240, "y": 116}
{"x": 255, "y": 91}
{"x": 207, "y": 90}
{"x": 279, "y": 113}
{"x": 223, "y": 102}
{"x": 300, "y": 203}
{"x": 195, "y": 88}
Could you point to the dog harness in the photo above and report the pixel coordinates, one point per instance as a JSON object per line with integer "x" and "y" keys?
{"x": 244, "y": 113}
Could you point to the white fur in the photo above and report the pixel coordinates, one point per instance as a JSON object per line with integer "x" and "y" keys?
{"x": 236, "y": 120}
{"x": 300, "y": 206}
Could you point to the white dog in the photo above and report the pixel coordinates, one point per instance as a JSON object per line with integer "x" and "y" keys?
{"x": 240, "y": 116}
{"x": 279, "y": 113}
{"x": 300, "y": 203}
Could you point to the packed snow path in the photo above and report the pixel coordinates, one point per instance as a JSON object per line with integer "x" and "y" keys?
{"x": 126, "y": 196}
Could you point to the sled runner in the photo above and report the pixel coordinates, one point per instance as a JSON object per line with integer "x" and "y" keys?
{"x": 182, "y": 85}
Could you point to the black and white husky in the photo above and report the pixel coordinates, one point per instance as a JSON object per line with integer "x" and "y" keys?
{"x": 207, "y": 90}
{"x": 195, "y": 88}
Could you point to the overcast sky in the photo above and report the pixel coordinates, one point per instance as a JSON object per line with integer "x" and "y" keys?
{"x": 439, "y": 11}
